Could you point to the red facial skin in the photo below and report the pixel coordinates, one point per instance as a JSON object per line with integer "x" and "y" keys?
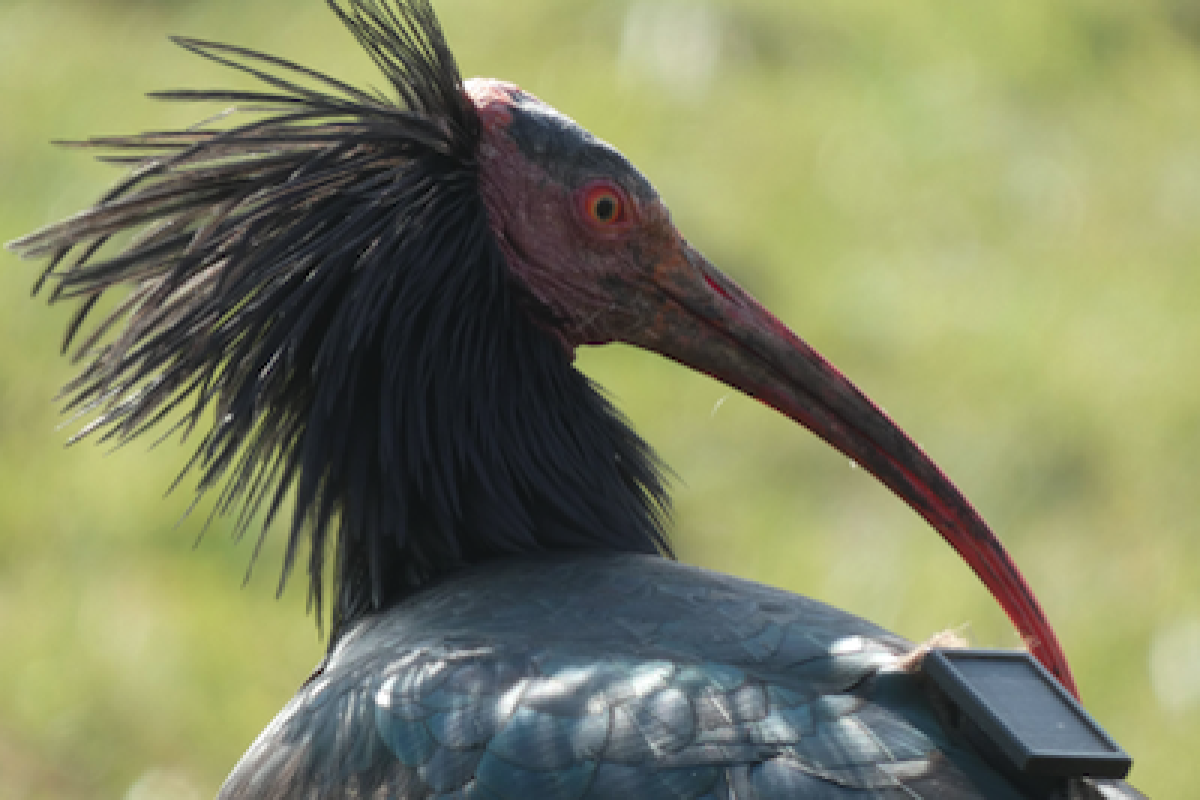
{"x": 638, "y": 281}
{"x": 580, "y": 272}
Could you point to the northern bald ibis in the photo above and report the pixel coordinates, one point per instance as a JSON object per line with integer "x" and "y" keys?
{"x": 377, "y": 298}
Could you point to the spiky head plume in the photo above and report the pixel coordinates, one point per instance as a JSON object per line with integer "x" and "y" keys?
{"x": 323, "y": 280}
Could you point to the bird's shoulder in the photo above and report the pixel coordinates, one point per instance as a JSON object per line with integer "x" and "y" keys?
{"x": 607, "y": 677}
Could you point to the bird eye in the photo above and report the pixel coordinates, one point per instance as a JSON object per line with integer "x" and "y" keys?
{"x": 604, "y": 208}
{"x": 603, "y": 204}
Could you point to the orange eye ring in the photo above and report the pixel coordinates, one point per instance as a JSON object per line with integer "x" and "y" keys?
{"x": 603, "y": 205}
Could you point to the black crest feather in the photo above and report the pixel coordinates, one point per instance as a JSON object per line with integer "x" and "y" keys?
{"x": 322, "y": 279}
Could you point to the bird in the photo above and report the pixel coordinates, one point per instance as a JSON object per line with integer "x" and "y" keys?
{"x": 365, "y": 305}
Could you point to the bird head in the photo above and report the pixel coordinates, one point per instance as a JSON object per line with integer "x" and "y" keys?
{"x": 380, "y": 298}
{"x": 590, "y": 239}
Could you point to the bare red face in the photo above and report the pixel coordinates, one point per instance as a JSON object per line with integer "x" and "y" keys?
{"x": 577, "y": 222}
{"x": 588, "y": 237}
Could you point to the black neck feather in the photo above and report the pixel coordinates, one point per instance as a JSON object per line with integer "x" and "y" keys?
{"x": 323, "y": 280}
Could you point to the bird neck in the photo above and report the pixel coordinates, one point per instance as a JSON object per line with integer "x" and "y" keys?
{"x": 474, "y": 438}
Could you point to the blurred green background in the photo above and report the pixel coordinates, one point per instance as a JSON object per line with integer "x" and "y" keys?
{"x": 987, "y": 214}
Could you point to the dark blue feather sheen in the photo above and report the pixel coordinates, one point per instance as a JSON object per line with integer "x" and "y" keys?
{"x": 323, "y": 280}
{"x": 620, "y": 676}
{"x": 612, "y": 676}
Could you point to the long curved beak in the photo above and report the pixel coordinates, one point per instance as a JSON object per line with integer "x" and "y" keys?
{"x": 702, "y": 319}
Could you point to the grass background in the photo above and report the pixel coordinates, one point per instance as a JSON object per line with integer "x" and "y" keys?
{"x": 987, "y": 214}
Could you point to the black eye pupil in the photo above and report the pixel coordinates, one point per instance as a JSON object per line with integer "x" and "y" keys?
{"x": 606, "y": 209}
